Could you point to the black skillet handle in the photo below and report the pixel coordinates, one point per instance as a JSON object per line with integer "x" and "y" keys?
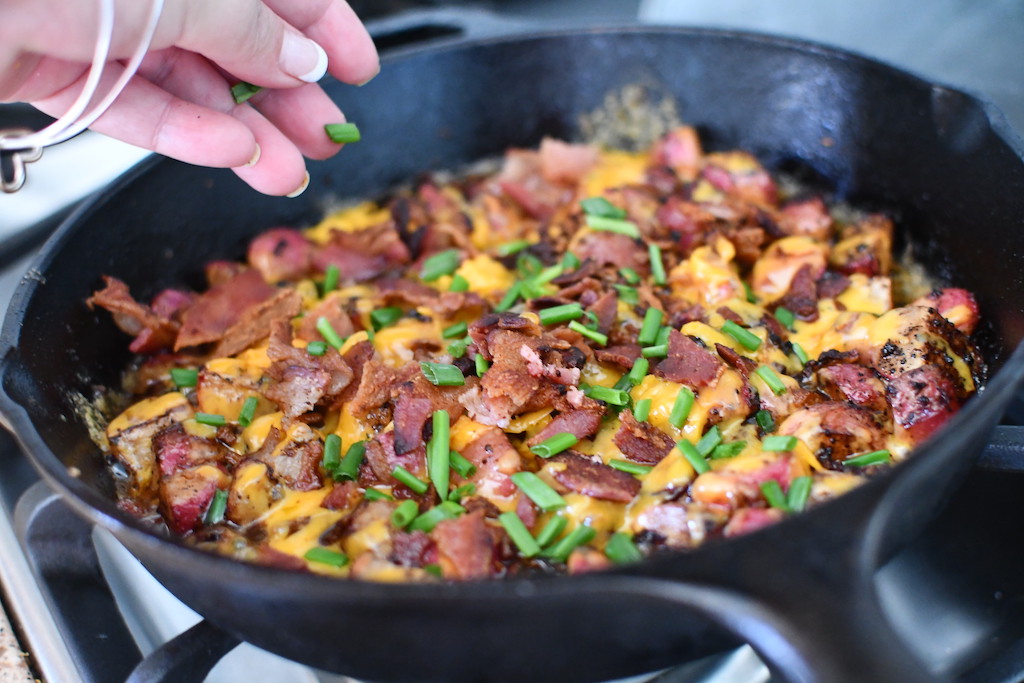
{"x": 1005, "y": 451}
{"x": 188, "y": 657}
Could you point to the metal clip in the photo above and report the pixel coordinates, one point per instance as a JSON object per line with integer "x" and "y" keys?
{"x": 23, "y": 146}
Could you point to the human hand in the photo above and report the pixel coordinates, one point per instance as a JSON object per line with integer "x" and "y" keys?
{"x": 179, "y": 103}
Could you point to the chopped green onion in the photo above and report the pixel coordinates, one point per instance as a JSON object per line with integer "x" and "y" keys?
{"x": 374, "y": 494}
{"x": 657, "y": 266}
{"x": 520, "y": 535}
{"x": 528, "y": 265}
{"x": 659, "y": 351}
{"x": 773, "y": 494}
{"x": 785, "y": 316}
{"x": 443, "y": 374}
{"x": 242, "y": 91}
{"x": 560, "y": 551}
{"x": 382, "y": 317}
{"x": 460, "y": 464}
{"x": 331, "y": 277}
{"x": 560, "y": 314}
{"x": 743, "y": 336}
{"x": 778, "y": 443}
{"x": 663, "y": 335}
{"x": 709, "y": 441}
{"x": 554, "y": 445}
{"x": 332, "y": 453}
{"x": 482, "y": 365}
{"x": 456, "y": 330}
{"x": 513, "y": 247}
{"x": 630, "y": 276}
{"x": 799, "y": 492}
{"x": 461, "y": 492}
{"x": 599, "y": 206}
{"x": 435, "y": 515}
{"x": 728, "y": 450}
{"x": 628, "y": 294}
{"x": 552, "y": 530}
{"x": 323, "y": 326}
{"x": 211, "y": 419}
{"x": 548, "y": 274}
{"x": 638, "y": 371}
{"x": 592, "y": 323}
{"x": 403, "y": 515}
{"x": 248, "y": 411}
{"x": 771, "y": 379}
{"x": 650, "y": 327}
{"x": 616, "y": 225}
{"x": 343, "y": 132}
{"x": 442, "y": 263}
{"x": 615, "y": 397}
{"x": 406, "y": 477}
{"x": 601, "y": 339}
{"x": 433, "y": 570}
{"x": 621, "y": 550}
{"x": 689, "y": 451}
{"x": 332, "y": 558}
{"x": 219, "y": 503}
{"x": 184, "y": 377}
{"x": 316, "y": 348}
{"x": 642, "y": 409}
{"x": 570, "y": 260}
{"x": 459, "y": 284}
{"x": 439, "y": 458}
{"x": 510, "y": 298}
{"x": 866, "y": 459}
{"x": 349, "y": 467}
{"x": 631, "y": 467}
{"x": 749, "y": 292}
{"x": 765, "y": 421}
{"x": 801, "y": 355}
{"x": 681, "y": 408}
{"x": 544, "y": 496}
{"x": 458, "y": 347}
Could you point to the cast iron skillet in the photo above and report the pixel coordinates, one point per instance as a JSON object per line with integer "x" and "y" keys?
{"x": 799, "y": 592}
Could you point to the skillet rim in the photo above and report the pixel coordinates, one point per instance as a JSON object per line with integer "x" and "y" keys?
{"x": 88, "y": 501}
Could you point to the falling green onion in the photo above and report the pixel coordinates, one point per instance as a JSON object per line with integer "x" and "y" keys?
{"x": 403, "y": 515}
{"x": 482, "y": 365}
{"x": 745, "y": 337}
{"x": 650, "y": 327}
{"x": 633, "y": 468}
{"x": 765, "y": 421}
{"x": 372, "y": 494}
{"x": 457, "y": 348}
{"x": 332, "y": 453}
{"x": 349, "y": 467}
{"x": 219, "y": 503}
{"x": 248, "y": 411}
{"x": 510, "y": 248}
{"x": 616, "y": 225}
{"x": 184, "y": 377}
{"x": 709, "y": 441}
{"x": 570, "y": 261}
{"x": 727, "y": 450}
{"x": 544, "y": 496}
{"x": 785, "y": 316}
{"x": 778, "y": 443}
{"x": 599, "y": 206}
{"x": 615, "y": 397}
{"x": 460, "y": 464}
{"x": 681, "y": 408}
{"x": 689, "y": 451}
{"x": 331, "y": 277}
{"x": 552, "y": 530}
{"x": 242, "y": 91}
{"x": 340, "y": 133}
{"x": 406, "y": 477}
{"x": 332, "y": 558}
{"x": 642, "y": 409}
{"x": 772, "y": 379}
{"x": 554, "y": 445}
{"x": 751, "y": 298}
{"x": 459, "y": 284}
{"x": 560, "y": 551}
{"x": 439, "y": 460}
{"x": 435, "y": 515}
{"x": 560, "y": 314}
{"x": 443, "y": 374}
{"x": 323, "y": 326}
{"x": 866, "y": 459}
{"x": 638, "y": 371}
{"x": 601, "y": 339}
{"x": 799, "y": 492}
{"x": 657, "y": 266}
{"x": 773, "y": 494}
{"x": 442, "y": 263}
{"x": 630, "y": 276}
{"x": 211, "y": 419}
{"x": 456, "y": 330}
{"x": 659, "y": 351}
{"x": 520, "y": 535}
{"x": 620, "y": 549}
{"x": 461, "y": 492}
{"x": 801, "y": 355}
{"x": 382, "y": 317}
{"x": 510, "y": 298}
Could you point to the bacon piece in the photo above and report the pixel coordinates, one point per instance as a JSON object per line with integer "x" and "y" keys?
{"x": 281, "y": 254}
{"x": 170, "y": 303}
{"x": 507, "y": 386}
{"x": 958, "y": 306}
{"x": 185, "y": 496}
{"x": 382, "y": 458}
{"x": 854, "y": 383}
{"x": 834, "y": 431}
{"x": 374, "y": 389}
{"x": 465, "y": 547}
{"x": 609, "y": 248}
{"x": 411, "y": 414}
{"x": 747, "y": 242}
{"x": 331, "y": 309}
{"x": 580, "y": 423}
{"x": 565, "y": 163}
{"x": 741, "y": 363}
{"x": 177, "y": 450}
{"x": 680, "y": 150}
{"x": 495, "y": 459}
{"x": 806, "y": 217}
{"x": 412, "y": 549}
{"x": 748, "y": 520}
{"x": 606, "y": 309}
{"x": 296, "y": 462}
{"x": 538, "y": 368}
{"x": 802, "y": 297}
{"x": 688, "y": 363}
{"x": 729, "y": 314}
{"x": 526, "y": 511}
{"x": 922, "y": 400}
{"x": 641, "y": 441}
{"x": 623, "y": 355}
{"x": 302, "y": 380}
{"x": 363, "y": 254}
{"x": 584, "y": 559}
{"x": 152, "y": 331}
{"x": 256, "y": 322}
{"x": 219, "y": 272}
{"x": 342, "y": 496}
{"x": 217, "y": 309}
{"x": 687, "y": 221}
{"x": 832, "y": 284}
{"x": 594, "y": 479}
{"x": 481, "y": 330}
{"x": 739, "y": 174}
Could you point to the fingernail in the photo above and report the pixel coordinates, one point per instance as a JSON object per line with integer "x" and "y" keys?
{"x": 300, "y": 189}
{"x": 371, "y": 77}
{"x": 302, "y": 58}
{"x": 256, "y": 156}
